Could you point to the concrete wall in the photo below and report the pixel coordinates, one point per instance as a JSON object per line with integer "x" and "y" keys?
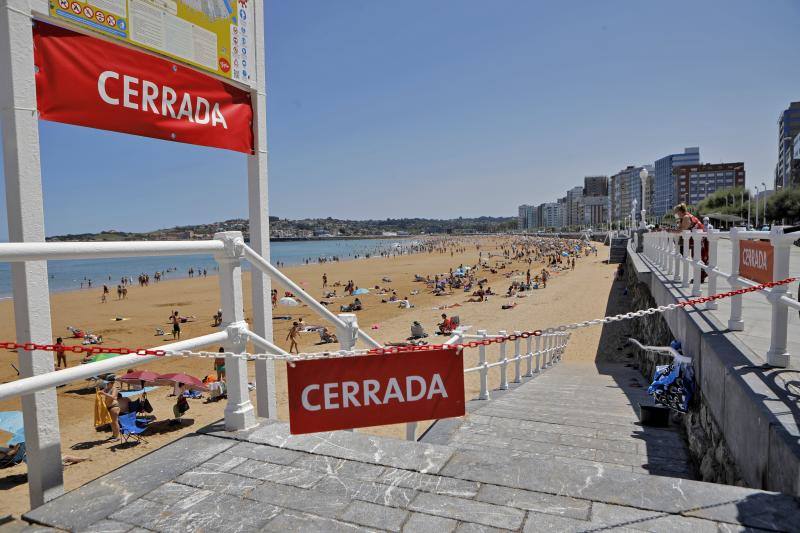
{"x": 743, "y": 426}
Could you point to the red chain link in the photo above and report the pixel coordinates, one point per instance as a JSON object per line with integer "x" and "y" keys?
{"x": 30, "y": 346}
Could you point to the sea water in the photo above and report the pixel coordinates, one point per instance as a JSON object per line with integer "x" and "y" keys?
{"x": 69, "y": 275}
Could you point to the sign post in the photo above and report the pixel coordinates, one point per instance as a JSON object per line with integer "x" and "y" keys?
{"x": 258, "y": 206}
{"x": 374, "y": 390}
{"x": 25, "y": 211}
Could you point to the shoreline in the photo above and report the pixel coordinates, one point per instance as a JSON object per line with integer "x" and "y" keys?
{"x": 182, "y": 274}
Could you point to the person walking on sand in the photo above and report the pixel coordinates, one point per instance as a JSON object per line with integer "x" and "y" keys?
{"x": 325, "y": 281}
{"x": 110, "y": 395}
{"x": 61, "y": 354}
{"x": 292, "y": 336}
{"x": 176, "y": 325}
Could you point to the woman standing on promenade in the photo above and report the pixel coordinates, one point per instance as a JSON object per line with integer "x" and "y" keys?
{"x": 687, "y": 222}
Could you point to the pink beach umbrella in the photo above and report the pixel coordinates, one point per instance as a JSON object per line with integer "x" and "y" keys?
{"x": 186, "y": 380}
{"x": 140, "y": 375}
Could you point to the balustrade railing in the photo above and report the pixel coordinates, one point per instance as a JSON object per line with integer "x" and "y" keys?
{"x": 679, "y": 257}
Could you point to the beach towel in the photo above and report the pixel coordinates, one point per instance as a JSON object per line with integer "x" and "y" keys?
{"x": 101, "y": 415}
{"x": 673, "y": 386}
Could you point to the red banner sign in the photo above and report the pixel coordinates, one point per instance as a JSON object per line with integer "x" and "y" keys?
{"x": 756, "y": 260}
{"x": 90, "y": 82}
{"x": 374, "y": 390}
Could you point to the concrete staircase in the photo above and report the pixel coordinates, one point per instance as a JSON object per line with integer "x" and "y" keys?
{"x": 560, "y": 452}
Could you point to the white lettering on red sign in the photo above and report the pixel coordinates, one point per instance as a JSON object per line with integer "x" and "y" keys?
{"x": 368, "y": 392}
{"x": 159, "y": 100}
{"x": 755, "y": 258}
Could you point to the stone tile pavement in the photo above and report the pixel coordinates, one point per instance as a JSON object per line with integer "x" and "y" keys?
{"x": 561, "y": 452}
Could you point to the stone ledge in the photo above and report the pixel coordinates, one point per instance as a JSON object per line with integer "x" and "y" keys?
{"x": 745, "y": 400}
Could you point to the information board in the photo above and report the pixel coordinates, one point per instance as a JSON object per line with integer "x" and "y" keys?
{"x": 213, "y": 35}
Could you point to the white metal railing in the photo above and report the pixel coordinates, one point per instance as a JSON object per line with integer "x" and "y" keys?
{"x": 670, "y": 253}
{"x": 229, "y": 250}
{"x": 548, "y": 351}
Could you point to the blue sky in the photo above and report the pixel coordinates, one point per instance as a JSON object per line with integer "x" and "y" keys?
{"x": 454, "y": 108}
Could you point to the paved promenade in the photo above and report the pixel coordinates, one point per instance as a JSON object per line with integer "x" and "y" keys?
{"x": 561, "y": 452}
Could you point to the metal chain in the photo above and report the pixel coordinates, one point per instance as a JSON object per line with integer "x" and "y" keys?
{"x": 553, "y": 331}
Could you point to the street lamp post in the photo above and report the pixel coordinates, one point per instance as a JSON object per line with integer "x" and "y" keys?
{"x": 756, "y": 188}
{"x": 643, "y": 174}
{"x": 764, "y": 216}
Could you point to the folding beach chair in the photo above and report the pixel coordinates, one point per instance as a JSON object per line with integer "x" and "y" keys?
{"x": 131, "y": 428}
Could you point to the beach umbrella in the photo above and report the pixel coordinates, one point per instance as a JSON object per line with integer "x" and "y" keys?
{"x": 182, "y": 379}
{"x": 291, "y": 302}
{"x": 361, "y": 291}
{"x": 140, "y": 375}
{"x": 565, "y": 254}
{"x": 11, "y": 422}
{"x": 103, "y": 356}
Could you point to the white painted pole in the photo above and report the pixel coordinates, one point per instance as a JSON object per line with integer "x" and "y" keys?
{"x": 538, "y": 353}
{"x": 697, "y": 243}
{"x": 347, "y": 331}
{"x": 23, "y": 181}
{"x": 735, "y": 322}
{"x": 517, "y": 360}
{"x": 484, "y": 372}
{"x": 239, "y": 412}
{"x": 52, "y": 379}
{"x": 778, "y": 355}
{"x": 687, "y": 257}
{"x": 504, "y": 364}
{"x": 529, "y": 359}
{"x": 258, "y": 207}
{"x": 676, "y": 277}
{"x": 713, "y": 241}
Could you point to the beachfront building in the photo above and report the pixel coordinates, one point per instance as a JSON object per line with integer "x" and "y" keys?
{"x": 574, "y": 206}
{"x": 527, "y": 218}
{"x": 787, "y": 175}
{"x": 625, "y": 187}
{"x": 664, "y": 181}
{"x": 551, "y": 215}
{"x": 694, "y": 183}
{"x": 595, "y": 186}
{"x": 594, "y": 210}
{"x": 563, "y": 207}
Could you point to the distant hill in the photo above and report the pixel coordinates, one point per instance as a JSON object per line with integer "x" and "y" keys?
{"x": 309, "y": 227}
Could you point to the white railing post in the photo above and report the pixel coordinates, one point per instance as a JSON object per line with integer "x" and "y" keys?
{"x": 347, "y": 331}
{"x": 25, "y": 212}
{"x": 347, "y": 334}
{"x": 484, "y": 372}
{"x": 504, "y": 364}
{"x": 713, "y": 241}
{"x": 538, "y": 353}
{"x": 778, "y": 355}
{"x": 678, "y": 262}
{"x": 517, "y": 360}
{"x": 529, "y": 358}
{"x": 547, "y": 356}
{"x": 239, "y": 412}
{"x": 697, "y": 243}
{"x": 670, "y": 255}
{"x": 735, "y": 322}
{"x": 687, "y": 257}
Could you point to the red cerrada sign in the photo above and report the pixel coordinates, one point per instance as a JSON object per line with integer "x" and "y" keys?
{"x": 87, "y": 81}
{"x": 374, "y": 390}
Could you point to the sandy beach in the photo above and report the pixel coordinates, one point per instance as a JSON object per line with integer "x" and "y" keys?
{"x": 570, "y": 296}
